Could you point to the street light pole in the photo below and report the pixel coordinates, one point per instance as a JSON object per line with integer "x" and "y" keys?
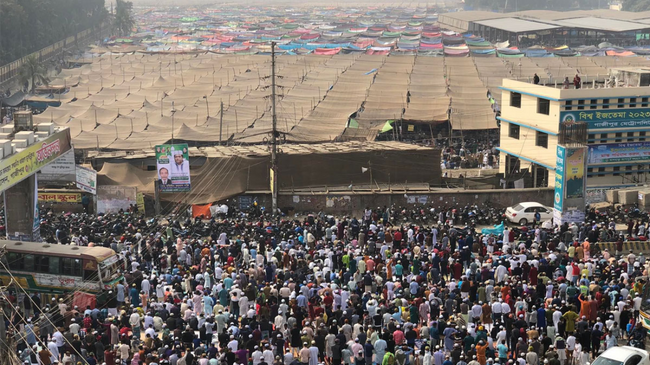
{"x": 207, "y": 104}
{"x": 274, "y": 165}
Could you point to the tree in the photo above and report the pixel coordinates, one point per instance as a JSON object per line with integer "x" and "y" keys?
{"x": 636, "y": 5}
{"x": 30, "y": 25}
{"x": 123, "y": 19}
{"x": 33, "y": 71}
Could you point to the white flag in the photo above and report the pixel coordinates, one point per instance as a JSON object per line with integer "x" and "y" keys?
{"x": 364, "y": 169}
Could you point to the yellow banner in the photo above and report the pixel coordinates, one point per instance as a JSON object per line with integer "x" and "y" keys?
{"x": 59, "y": 197}
{"x": 272, "y": 178}
{"x": 645, "y": 319}
{"x": 22, "y": 165}
{"x": 139, "y": 199}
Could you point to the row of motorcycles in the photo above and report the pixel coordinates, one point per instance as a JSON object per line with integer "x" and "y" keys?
{"x": 618, "y": 214}
{"x": 470, "y": 215}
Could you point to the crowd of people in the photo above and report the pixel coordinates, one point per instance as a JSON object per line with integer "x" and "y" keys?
{"x": 372, "y": 290}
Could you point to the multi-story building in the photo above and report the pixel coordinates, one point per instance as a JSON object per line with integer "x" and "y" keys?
{"x": 618, "y": 125}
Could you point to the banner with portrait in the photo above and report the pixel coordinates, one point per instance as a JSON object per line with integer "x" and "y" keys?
{"x": 173, "y": 166}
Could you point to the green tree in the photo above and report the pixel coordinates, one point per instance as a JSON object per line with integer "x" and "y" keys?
{"x": 123, "y": 18}
{"x": 33, "y": 71}
{"x": 636, "y": 5}
{"x": 30, "y": 25}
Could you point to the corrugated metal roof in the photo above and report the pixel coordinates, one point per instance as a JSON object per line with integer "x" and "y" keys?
{"x": 549, "y": 14}
{"x": 471, "y": 16}
{"x": 515, "y": 25}
{"x": 264, "y": 150}
{"x": 609, "y": 25}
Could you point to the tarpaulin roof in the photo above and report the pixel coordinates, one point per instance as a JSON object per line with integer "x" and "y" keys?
{"x": 13, "y": 100}
{"x": 246, "y": 168}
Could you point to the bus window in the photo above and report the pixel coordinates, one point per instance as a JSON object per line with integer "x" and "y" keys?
{"x": 28, "y": 263}
{"x": 42, "y": 264}
{"x": 16, "y": 261}
{"x": 90, "y": 275}
{"x": 70, "y": 267}
{"x": 54, "y": 265}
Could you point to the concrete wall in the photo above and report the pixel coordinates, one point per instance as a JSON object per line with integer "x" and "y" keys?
{"x": 354, "y": 204}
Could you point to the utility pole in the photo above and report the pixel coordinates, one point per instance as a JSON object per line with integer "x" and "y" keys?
{"x": 156, "y": 193}
{"x": 220, "y": 122}
{"x": 274, "y": 165}
{"x": 4, "y": 349}
{"x": 173, "y": 111}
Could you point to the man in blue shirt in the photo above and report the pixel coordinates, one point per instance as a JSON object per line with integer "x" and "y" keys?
{"x": 503, "y": 352}
{"x": 414, "y": 287}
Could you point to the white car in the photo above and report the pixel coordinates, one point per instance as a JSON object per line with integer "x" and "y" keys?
{"x": 622, "y": 355}
{"x": 523, "y": 213}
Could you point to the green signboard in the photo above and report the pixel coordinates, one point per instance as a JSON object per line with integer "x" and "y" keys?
{"x": 609, "y": 118}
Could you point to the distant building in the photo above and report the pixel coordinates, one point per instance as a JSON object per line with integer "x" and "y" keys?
{"x": 618, "y": 6}
{"x": 618, "y": 128}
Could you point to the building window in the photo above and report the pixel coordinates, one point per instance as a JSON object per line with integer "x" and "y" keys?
{"x": 642, "y": 136}
{"x": 632, "y": 102}
{"x": 543, "y": 106}
{"x": 541, "y": 139}
{"x": 568, "y": 105}
{"x": 594, "y": 104}
{"x": 630, "y": 136}
{"x": 644, "y": 102}
{"x": 603, "y": 138}
{"x": 621, "y": 103}
{"x": 601, "y": 169}
{"x": 581, "y": 104}
{"x": 628, "y": 170}
{"x": 591, "y": 138}
{"x": 590, "y": 169}
{"x": 605, "y": 103}
{"x": 616, "y": 170}
{"x": 619, "y": 137}
{"x": 514, "y": 131}
{"x": 515, "y": 100}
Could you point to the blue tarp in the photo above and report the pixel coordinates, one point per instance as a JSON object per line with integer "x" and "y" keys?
{"x": 536, "y": 52}
{"x": 483, "y": 51}
{"x": 312, "y": 46}
{"x": 497, "y": 230}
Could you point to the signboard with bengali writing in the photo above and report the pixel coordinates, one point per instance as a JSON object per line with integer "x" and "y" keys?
{"x": 605, "y": 119}
{"x": 59, "y": 197}
{"x": 558, "y": 197}
{"x": 619, "y": 152}
{"x": 87, "y": 179}
{"x": 21, "y": 165}
{"x": 112, "y": 198}
{"x": 61, "y": 169}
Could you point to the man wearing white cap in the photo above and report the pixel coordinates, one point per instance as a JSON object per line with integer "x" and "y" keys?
{"x": 180, "y": 168}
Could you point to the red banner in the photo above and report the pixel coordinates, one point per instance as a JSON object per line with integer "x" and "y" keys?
{"x": 204, "y": 210}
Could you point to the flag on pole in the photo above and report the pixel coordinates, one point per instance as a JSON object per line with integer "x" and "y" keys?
{"x": 387, "y": 127}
